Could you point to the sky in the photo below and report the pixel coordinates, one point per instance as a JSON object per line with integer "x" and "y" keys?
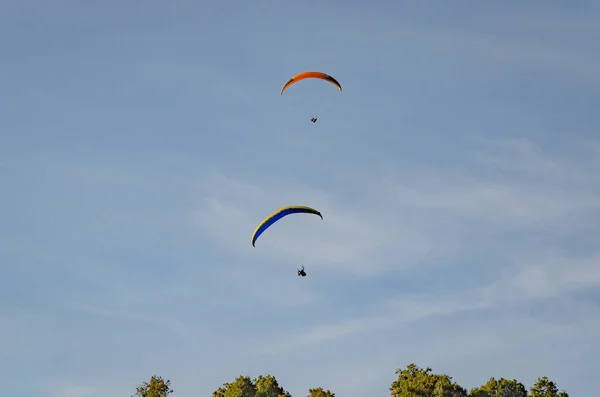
{"x": 141, "y": 142}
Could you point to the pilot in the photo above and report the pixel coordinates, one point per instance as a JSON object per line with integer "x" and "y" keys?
{"x": 302, "y": 272}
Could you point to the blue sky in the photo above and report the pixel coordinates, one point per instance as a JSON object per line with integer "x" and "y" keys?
{"x": 141, "y": 142}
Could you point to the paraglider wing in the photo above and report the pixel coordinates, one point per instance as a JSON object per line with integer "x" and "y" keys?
{"x": 277, "y": 215}
{"x": 309, "y": 75}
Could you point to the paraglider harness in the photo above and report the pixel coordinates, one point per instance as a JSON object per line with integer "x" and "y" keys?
{"x": 302, "y": 272}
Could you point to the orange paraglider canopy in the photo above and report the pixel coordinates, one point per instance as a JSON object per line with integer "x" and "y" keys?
{"x": 310, "y": 75}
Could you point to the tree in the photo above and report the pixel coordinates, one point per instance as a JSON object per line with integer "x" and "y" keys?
{"x": 417, "y": 382}
{"x": 500, "y": 388}
{"x": 241, "y": 387}
{"x": 544, "y": 387}
{"x": 157, "y": 387}
{"x": 412, "y": 381}
{"x": 319, "y": 392}
{"x": 267, "y": 386}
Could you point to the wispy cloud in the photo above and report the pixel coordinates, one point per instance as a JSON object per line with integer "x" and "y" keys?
{"x": 407, "y": 214}
{"x": 447, "y": 208}
{"x": 456, "y": 173}
{"x": 532, "y": 282}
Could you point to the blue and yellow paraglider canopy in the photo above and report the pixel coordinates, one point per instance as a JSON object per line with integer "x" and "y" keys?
{"x": 277, "y": 215}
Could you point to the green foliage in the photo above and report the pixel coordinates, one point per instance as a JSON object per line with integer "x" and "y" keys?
{"x": 500, "y": 388}
{"x": 417, "y": 382}
{"x": 243, "y": 386}
{"x": 412, "y": 381}
{"x": 319, "y": 392}
{"x": 267, "y": 386}
{"x": 544, "y": 387}
{"x": 157, "y": 387}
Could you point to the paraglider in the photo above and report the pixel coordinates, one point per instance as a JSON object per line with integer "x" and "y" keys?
{"x": 302, "y": 272}
{"x": 310, "y": 75}
{"x": 277, "y": 215}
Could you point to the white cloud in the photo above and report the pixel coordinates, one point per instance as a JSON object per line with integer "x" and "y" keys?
{"x": 488, "y": 268}
{"x": 527, "y": 161}
{"x": 546, "y": 276}
{"x": 404, "y": 216}
{"x": 397, "y": 220}
{"x": 549, "y": 278}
